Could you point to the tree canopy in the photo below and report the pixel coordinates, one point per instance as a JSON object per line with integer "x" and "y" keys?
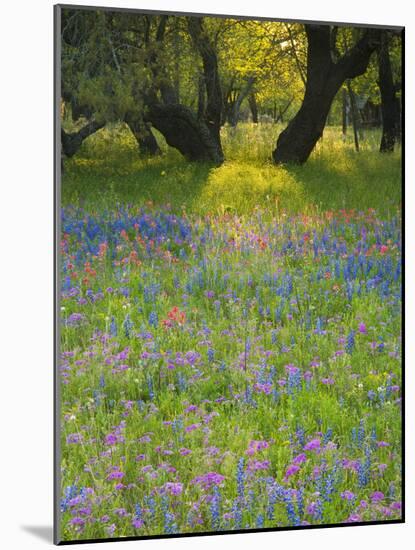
{"x": 188, "y": 76}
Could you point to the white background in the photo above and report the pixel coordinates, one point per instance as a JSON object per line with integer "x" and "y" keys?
{"x": 26, "y": 233}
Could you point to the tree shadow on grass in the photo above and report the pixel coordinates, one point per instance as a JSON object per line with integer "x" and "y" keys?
{"x": 101, "y": 183}
{"x": 351, "y": 180}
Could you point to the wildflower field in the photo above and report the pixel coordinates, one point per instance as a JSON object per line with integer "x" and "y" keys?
{"x": 230, "y": 340}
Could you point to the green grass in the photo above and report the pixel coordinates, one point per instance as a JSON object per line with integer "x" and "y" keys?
{"x": 109, "y": 169}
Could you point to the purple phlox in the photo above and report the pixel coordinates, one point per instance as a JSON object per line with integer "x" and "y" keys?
{"x": 291, "y": 470}
{"x": 256, "y": 445}
{"x": 172, "y": 488}
{"x": 208, "y": 480}
{"x": 254, "y": 465}
{"x": 313, "y": 445}
{"x": 299, "y": 459}
{"x": 377, "y": 496}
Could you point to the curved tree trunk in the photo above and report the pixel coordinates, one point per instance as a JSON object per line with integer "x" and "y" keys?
{"x": 389, "y": 103}
{"x": 324, "y": 78}
{"x": 146, "y": 141}
{"x": 183, "y": 130}
{"x": 72, "y": 142}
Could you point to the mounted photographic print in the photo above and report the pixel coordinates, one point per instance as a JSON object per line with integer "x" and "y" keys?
{"x": 229, "y": 195}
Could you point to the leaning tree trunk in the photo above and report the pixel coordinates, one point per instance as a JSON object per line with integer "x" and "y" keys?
{"x": 72, "y": 142}
{"x": 236, "y": 107}
{"x": 183, "y": 130}
{"x": 389, "y": 103}
{"x": 146, "y": 141}
{"x": 282, "y": 111}
{"x": 214, "y": 103}
{"x": 324, "y": 79}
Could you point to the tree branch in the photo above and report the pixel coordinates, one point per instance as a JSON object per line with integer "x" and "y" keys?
{"x": 355, "y": 61}
{"x": 72, "y": 142}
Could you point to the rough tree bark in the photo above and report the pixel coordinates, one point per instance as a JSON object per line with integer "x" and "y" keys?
{"x": 72, "y": 142}
{"x": 183, "y": 130}
{"x": 389, "y": 103}
{"x": 324, "y": 79}
{"x": 146, "y": 141}
{"x": 214, "y": 103}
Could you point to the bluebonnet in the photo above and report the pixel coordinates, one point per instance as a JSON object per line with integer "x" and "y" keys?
{"x": 350, "y": 342}
{"x": 328, "y": 488}
{"x": 240, "y": 478}
{"x": 138, "y": 511}
{"x": 290, "y": 510}
{"x": 128, "y": 326}
{"x": 170, "y": 526}
{"x": 70, "y": 492}
{"x": 215, "y": 508}
{"x": 259, "y": 521}
{"x": 363, "y": 469}
{"x": 153, "y": 319}
{"x": 181, "y": 382}
{"x": 237, "y": 514}
{"x": 328, "y": 435}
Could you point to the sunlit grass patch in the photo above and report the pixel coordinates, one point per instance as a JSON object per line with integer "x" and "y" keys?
{"x": 239, "y": 186}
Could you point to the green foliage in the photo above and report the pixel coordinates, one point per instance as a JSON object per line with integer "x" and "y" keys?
{"x": 112, "y": 63}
